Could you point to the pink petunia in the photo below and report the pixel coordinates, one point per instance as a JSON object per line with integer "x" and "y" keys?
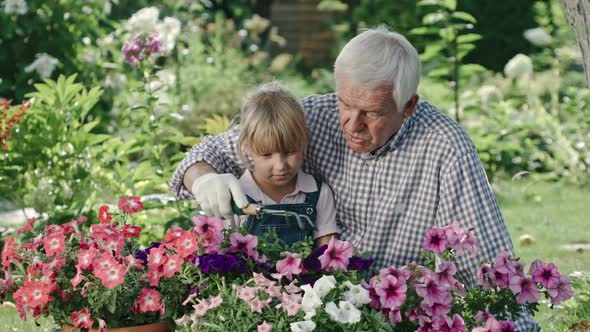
{"x": 149, "y": 300}
{"x": 456, "y": 324}
{"x": 436, "y": 240}
{"x": 337, "y": 255}
{"x": 103, "y": 214}
{"x": 264, "y": 327}
{"x": 82, "y": 319}
{"x": 392, "y": 292}
{"x": 561, "y": 291}
{"x": 86, "y": 257}
{"x": 157, "y": 257}
{"x": 243, "y": 243}
{"x": 444, "y": 273}
{"x": 546, "y": 274}
{"x": 201, "y": 308}
{"x": 289, "y": 266}
{"x": 131, "y": 204}
{"x": 208, "y": 226}
{"x": 483, "y": 276}
{"x": 432, "y": 292}
{"x": 154, "y": 275}
{"x": 525, "y": 289}
{"x": 54, "y": 244}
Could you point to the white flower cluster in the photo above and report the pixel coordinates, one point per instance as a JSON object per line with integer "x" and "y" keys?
{"x": 537, "y": 36}
{"x": 146, "y": 21}
{"x": 44, "y": 65}
{"x": 519, "y": 66}
{"x": 18, "y": 7}
{"x": 345, "y": 311}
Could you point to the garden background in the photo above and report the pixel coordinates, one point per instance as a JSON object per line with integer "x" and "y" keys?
{"x": 95, "y": 128}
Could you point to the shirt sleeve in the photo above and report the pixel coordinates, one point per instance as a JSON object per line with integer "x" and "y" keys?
{"x": 466, "y": 197}
{"x": 326, "y": 215}
{"x": 218, "y": 151}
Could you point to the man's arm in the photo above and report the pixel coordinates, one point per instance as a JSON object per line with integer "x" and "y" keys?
{"x": 194, "y": 171}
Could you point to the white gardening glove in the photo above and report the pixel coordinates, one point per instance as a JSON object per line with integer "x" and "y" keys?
{"x": 214, "y": 193}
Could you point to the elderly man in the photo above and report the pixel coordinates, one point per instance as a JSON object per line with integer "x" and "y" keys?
{"x": 397, "y": 165}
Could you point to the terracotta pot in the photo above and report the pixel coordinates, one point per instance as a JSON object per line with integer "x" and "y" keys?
{"x": 155, "y": 327}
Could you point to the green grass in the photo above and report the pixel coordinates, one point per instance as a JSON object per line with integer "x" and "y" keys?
{"x": 553, "y": 214}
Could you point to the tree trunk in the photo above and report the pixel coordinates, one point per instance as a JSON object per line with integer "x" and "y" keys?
{"x": 578, "y": 14}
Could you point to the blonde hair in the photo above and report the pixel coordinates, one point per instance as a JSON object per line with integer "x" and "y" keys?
{"x": 272, "y": 121}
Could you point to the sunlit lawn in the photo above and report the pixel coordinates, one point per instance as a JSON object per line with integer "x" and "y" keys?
{"x": 554, "y": 215}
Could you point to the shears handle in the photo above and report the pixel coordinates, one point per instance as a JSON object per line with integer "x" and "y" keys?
{"x": 250, "y": 209}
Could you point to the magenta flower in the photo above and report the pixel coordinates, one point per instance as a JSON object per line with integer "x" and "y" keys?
{"x": 432, "y": 292}
{"x": 444, "y": 274}
{"x": 561, "y": 291}
{"x": 546, "y": 274}
{"x": 337, "y": 255}
{"x": 436, "y": 240}
{"x": 402, "y": 274}
{"x": 460, "y": 239}
{"x": 456, "y": 324}
{"x": 482, "y": 276}
{"x": 525, "y": 289}
{"x": 499, "y": 279}
{"x": 436, "y": 309}
{"x": 208, "y": 226}
{"x": 503, "y": 263}
{"x": 245, "y": 244}
{"x": 140, "y": 47}
{"x": 289, "y": 266}
{"x": 493, "y": 325}
{"x": 392, "y": 292}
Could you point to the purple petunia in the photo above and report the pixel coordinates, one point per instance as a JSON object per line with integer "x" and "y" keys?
{"x": 360, "y": 264}
{"x": 311, "y": 262}
{"x": 220, "y": 263}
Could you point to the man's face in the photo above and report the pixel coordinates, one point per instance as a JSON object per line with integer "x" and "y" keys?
{"x": 369, "y": 117}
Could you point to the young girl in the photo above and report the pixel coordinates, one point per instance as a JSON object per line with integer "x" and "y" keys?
{"x": 272, "y": 141}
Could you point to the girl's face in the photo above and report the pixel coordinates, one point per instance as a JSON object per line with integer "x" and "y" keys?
{"x": 276, "y": 170}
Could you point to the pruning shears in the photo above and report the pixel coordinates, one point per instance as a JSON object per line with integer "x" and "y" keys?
{"x": 259, "y": 211}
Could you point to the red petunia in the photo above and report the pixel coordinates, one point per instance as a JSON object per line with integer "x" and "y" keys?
{"x": 54, "y": 244}
{"x": 131, "y": 231}
{"x": 103, "y": 214}
{"x": 149, "y": 300}
{"x": 82, "y": 319}
{"x": 130, "y": 204}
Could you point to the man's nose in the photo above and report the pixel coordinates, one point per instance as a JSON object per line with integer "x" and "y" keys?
{"x": 355, "y": 122}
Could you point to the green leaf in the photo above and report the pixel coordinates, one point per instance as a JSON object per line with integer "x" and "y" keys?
{"x": 468, "y": 38}
{"x": 431, "y": 51}
{"x": 464, "y": 16}
{"x": 450, "y": 4}
{"x": 439, "y": 72}
{"x": 112, "y": 305}
{"x": 423, "y": 31}
{"x": 473, "y": 68}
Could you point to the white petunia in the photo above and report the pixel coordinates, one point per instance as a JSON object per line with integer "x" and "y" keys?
{"x": 519, "y": 66}
{"x": 349, "y": 313}
{"x": 18, "y": 7}
{"x": 356, "y": 294}
{"x": 144, "y": 20}
{"x": 324, "y": 285}
{"x": 344, "y": 313}
{"x": 311, "y": 300}
{"x": 303, "y": 326}
{"x": 43, "y": 65}
{"x": 537, "y": 36}
{"x": 309, "y": 314}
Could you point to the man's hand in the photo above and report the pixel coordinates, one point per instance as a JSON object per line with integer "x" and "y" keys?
{"x": 214, "y": 193}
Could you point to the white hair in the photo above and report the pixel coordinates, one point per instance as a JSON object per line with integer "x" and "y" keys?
{"x": 378, "y": 57}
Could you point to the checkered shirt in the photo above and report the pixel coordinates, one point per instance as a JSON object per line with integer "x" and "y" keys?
{"x": 428, "y": 174}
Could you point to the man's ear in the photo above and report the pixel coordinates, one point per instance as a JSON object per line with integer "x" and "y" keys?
{"x": 410, "y": 106}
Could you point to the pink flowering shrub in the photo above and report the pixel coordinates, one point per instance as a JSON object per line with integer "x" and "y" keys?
{"x": 329, "y": 289}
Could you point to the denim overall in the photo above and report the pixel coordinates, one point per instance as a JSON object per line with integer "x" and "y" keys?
{"x": 287, "y": 230}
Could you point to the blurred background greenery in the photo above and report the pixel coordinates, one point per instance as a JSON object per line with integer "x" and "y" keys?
{"x": 510, "y": 72}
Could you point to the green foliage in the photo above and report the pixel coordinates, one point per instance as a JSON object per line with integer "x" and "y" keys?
{"x": 51, "y": 164}
{"x": 443, "y": 58}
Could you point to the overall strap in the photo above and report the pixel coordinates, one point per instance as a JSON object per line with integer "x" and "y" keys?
{"x": 313, "y": 197}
